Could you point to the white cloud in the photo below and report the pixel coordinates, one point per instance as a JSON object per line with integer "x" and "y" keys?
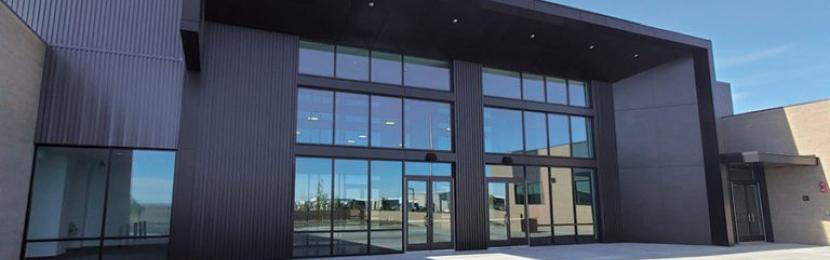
{"x": 753, "y": 56}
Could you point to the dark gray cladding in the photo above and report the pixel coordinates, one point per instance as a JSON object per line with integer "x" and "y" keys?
{"x": 113, "y": 72}
{"x": 97, "y": 98}
{"x": 471, "y": 205}
{"x": 234, "y": 178}
{"x": 606, "y": 148}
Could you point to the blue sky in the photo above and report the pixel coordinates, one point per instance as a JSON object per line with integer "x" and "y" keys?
{"x": 774, "y": 52}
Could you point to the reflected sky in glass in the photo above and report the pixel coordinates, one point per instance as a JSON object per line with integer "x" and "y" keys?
{"x": 427, "y": 125}
{"x": 501, "y": 83}
{"x": 502, "y": 130}
{"x": 351, "y": 125}
{"x": 386, "y": 122}
{"x": 314, "y": 116}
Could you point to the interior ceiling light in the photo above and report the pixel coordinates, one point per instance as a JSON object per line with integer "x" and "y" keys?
{"x": 371, "y": 4}
{"x": 591, "y": 47}
{"x": 455, "y": 20}
{"x": 389, "y": 122}
{"x": 636, "y": 55}
{"x": 361, "y": 136}
{"x": 532, "y": 35}
{"x": 312, "y": 118}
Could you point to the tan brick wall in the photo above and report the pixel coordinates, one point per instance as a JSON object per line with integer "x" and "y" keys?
{"x": 21, "y": 65}
{"x": 800, "y": 129}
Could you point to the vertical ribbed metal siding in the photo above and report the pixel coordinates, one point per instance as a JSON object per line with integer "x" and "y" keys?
{"x": 608, "y": 179}
{"x": 96, "y": 98}
{"x": 145, "y": 27}
{"x": 471, "y": 214}
{"x": 241, "y": 193}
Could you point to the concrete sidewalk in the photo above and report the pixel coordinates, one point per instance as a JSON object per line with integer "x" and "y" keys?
{"x": 621, "y": 251}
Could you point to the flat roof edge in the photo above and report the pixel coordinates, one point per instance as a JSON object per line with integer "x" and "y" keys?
{"x": 606, "y": 21}
{"x": 769, "y": 159}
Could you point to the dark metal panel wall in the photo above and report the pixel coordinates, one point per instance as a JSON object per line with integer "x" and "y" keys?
{"x": 471, "y": 209}
{"x": 95, "y": 98}
{"x": 238, "y": 170}
{"x": 608, "y": 180}
{"x": 113, "y": 72}
{"x": 145, "y": 27}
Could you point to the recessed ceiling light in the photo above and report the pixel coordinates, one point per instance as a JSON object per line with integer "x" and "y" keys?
{"x": 532, "y": 35}
{"x": 312, "y": 118}
{"x": 591, "y": 47}
{"x": 361, "y": 136}
{"x": 389, "y": 122}
{"x": 636, "y": 55}
{"x": 371, "y": 4}
{"x": 455, "y": 20}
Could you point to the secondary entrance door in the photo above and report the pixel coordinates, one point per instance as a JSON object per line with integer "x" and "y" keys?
{"x": 748, "y": 216}
{"x": 506, "y": 210}
{"x": 429, "y": 213}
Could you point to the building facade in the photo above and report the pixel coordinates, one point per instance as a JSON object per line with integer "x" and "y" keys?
{"x": 218, "y": 129}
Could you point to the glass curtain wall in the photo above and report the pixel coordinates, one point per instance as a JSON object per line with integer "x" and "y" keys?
{"x": 509, "y": 131}
{"x": 74, "y": 188}
{"x": 531, "y": 87}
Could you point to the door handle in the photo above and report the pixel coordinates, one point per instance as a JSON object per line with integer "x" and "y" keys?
{"x": 426, "y": 221}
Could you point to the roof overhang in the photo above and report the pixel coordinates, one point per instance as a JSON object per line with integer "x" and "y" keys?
{"x": 768, "y": 159}
{"x": 495, "y": 33}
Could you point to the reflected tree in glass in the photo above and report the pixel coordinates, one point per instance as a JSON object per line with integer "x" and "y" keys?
{"x": 312, "y": 194}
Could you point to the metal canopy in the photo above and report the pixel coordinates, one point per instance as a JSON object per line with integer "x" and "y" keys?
{"x": 528, "y": 36}
{"x": 768, "y": 159}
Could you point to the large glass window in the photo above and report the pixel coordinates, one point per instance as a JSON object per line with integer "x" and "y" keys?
{"x": 426, "y": 73}
{"x": 539, "y": 206}
{"x": 427, "y": 125}
{"x": 502, "y": 130}
{"x": 559, "y": 135}
{"x": 315, "y": 119}
{"x": 501, "y": 83}
{"x": 351, "y": 120}
{"x": 387, "y": 68}
{"x": 578, "y": 94}
{"x": 581, "y": 137}
{"x": 348, "y": 207}
{"x": 557, "y": 90}
{"x": 584, "y": 200}
{"x": 352, "y": 63}
{"x": 563, "y": 204}
{"x": 69, "y": 188}
{"x": 533, "y": 87}
{"x": 428, "y": 169}
{"x": 536, "y": 134}
{"x": 316, "y": 59}
{"x": 386, "y": 122}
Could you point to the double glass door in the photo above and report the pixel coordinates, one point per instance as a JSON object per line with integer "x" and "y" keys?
{"x": 506, "y": 214}
{"x": 429, "y": 213}
{"x": 748, "y": 217}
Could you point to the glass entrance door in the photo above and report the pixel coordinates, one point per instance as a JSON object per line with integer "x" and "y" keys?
{"x": 429, "y": 213}
{"x": 506, "y": 213}
{"x": 748, "y": 217}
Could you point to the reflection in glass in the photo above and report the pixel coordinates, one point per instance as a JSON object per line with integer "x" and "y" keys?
{"x": 559, "y": 135}
{"x": 428, "y": 169}
{"x": 578, "y": 93}
{"x": 386, "y": 242}
{"x": 503, "y": 171}
{"x": 517, "y": 213}
{"x": 536, "y": 134}
{"x": 351, "y": 120}
{"x": 350, "y": 243}
{"x": 441, "y": 212}
{"x": 386, "y": 122}
{"x": 533, "y": 87}
{"x": 563, "y": 203}
{"x": 314, "y": 116}
{"x": 502, "y": 130}
{"x": 387, "y": 200}
{"x": 581, "y": 137}
{"x": 501, "y": 83}
{"x": 350, "y": 195}
{"x": 140, "y": 193}
{"x": 386, "y": 68}
{"x": 63, "y": 250}
{"x": 312, "y": 244}
{"x": 497, "y": 210}
{"x": 316, "y": 59}
{"x": 539, "y": 206}
{"x": 352, "y": 63}
{"x": 583, "y": 181}
{"x": 426, "y": 73}
{"x": 140, "y": 248}
{"x": 312, "y": 194}
{"x": 557, "y": 90}
{"x": 416, "y": 217}
{"x": 67, "y": 197}
{"x": 427, "y": 125}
